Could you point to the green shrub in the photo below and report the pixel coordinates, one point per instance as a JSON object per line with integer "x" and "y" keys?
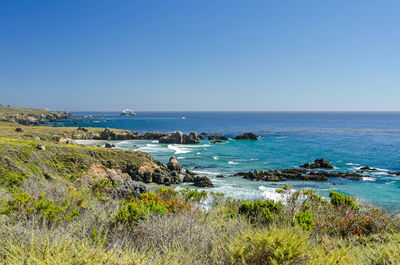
{"x": 23, "y": 205}
{"x": 10, "y": 179}
{"x": 270, "y": 246}
{"x": 305, "y": 220}
{"x": 190, "y": 195}
{"x": 338, "y": 199}
{"x": 260, "y": 210}
{"x": 101, "y": 187}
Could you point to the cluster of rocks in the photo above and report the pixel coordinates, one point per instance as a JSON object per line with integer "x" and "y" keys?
{"x": 318, "y": 163}
{"x": 296, "y": 174}
{"x": 164, "y": 138}
{"x": 108, "y": 134}
{"x": 168, "y": 174}
{"x": 246, "y": 136}
{"x": 180, "y": 138}
{"x": 301, "y": 174}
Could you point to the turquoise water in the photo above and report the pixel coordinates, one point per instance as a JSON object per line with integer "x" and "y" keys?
{"x": 347, "y": 140}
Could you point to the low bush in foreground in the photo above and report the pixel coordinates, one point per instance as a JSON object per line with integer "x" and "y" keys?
{"x": 66, "y": 225}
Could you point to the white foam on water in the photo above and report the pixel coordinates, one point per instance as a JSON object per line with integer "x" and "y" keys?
{"x": 270, "y": 193}
{"x": 205, "y": 172}
{"x": 181, "y": 157}
{"x": 233, "y": 163}
{"x": 177, "y": 149}
{"x": 155, "y": 141}
{"x": 368, "y": 179}
{"x": 198, "y": 153}
{"x": 215, "y": 157}
{"x": 151, "y": 148}
{"x": 382, "y": 169}
{"x": 351, "y": 164}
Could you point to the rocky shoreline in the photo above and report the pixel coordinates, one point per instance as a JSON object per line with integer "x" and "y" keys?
{"x": 315, "y": 171}
{"x": 177, "y": 137}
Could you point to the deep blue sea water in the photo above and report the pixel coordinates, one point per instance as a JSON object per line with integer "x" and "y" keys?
{"x": 347, "y": 140}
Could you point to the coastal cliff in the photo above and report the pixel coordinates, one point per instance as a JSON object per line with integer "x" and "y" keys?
{"x": 31, "y": 116}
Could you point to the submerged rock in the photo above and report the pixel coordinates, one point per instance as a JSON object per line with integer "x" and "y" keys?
{"x": 318, "y": 163}
{"x": 368, "y": 168}
{"x": 202, "y": 181}
{"x": 246, "y": 136}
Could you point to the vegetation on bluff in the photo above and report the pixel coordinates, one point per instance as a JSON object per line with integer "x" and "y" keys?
{"x": 57, "y": 207}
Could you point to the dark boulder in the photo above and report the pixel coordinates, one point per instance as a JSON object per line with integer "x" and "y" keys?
{"x": 128, "y": 188}
{"x": 19, "y": 129}
{"x": 246, "y": 136}
{"x": 220, "y": 176}
{"x": 368, "y": 168}
{"x": 395, "y": 173}
{"x": 217, "y": 142}
{"x": 202, "y": 181}
{"x": 188, "y": 178}
{"x": 82, "y": 129}
{"x": 202, "y": 136}
{"x": 108, "y": 145}
{"x": 192, "y": 138}
{"x": 217, "y": 137}
{"x": 318, "y": 163}
{"x": 174, "y": 165}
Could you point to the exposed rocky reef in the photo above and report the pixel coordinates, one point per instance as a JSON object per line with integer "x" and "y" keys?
{"x": 246, "y": 136}
{"x": 318, "y": 163}
{"x": 297, "y": 174}
{"x": 180, "y": 138}
{"x": 217, "y": 137}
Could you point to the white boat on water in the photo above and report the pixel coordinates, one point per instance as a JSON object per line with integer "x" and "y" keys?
{"x": 128, "y": 112}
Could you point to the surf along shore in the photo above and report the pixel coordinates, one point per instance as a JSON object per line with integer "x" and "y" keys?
{"x": 66, "y": 203}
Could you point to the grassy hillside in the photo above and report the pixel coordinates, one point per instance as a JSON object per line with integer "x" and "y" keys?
{"x": 57, "y": 206}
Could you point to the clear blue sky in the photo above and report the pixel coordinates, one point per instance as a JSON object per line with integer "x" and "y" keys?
{"x": 200, "y": 55}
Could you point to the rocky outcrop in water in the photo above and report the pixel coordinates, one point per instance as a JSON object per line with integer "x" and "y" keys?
{"x": 108, "y": 134}
{"x": 202, "y": 181}
{"x": 174, "y": 165}
{"x": 297, "y": 174}
{"x": 368, "y": 168}
{"x": 217, "y": 137}
{"x": 318, "y": 163}
{"x": 180, "y": 138}
{"x": 246, "y": 136}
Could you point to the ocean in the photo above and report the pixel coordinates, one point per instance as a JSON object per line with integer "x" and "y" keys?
{"x": 349, "y": 140}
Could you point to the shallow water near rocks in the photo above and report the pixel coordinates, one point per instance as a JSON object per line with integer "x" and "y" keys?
{"x": 347, "y": 140}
